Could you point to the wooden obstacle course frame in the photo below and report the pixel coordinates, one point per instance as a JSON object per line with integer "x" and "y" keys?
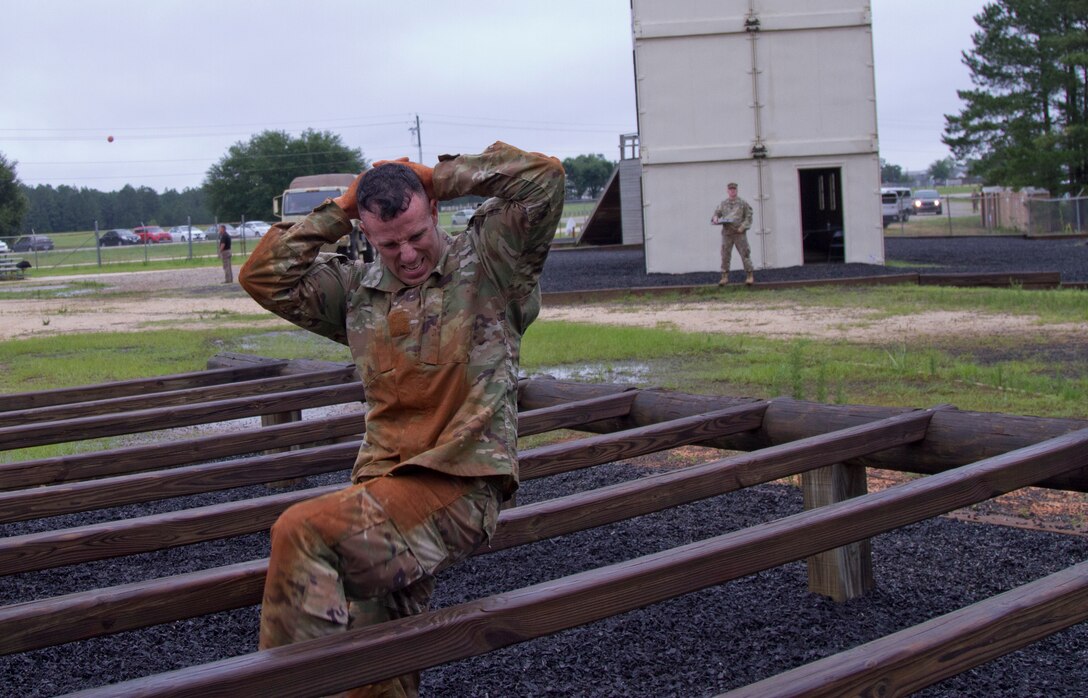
{"x": 776, "y": 438}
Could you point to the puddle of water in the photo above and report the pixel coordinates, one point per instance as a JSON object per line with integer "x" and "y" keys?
{"x": 613, "y": 372}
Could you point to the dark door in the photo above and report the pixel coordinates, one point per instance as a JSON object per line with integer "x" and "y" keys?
{"x": 822, "y": 233}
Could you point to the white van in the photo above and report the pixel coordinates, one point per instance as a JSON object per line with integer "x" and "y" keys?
{"x": 895, "y": 204}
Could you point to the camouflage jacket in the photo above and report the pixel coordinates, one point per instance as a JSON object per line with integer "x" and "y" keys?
{"x": 735, "y": 215}
{"x": 439, "y": 360}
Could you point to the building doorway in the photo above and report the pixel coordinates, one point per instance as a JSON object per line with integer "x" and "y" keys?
{"x": 823, "y": 236}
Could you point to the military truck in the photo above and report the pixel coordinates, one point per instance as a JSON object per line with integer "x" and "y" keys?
{"x": 305, "y": 193}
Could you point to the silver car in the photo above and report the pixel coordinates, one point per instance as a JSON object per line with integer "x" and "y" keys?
{"x": 181, "y": 232}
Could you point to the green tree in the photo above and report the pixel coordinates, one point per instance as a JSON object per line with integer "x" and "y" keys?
{"x": 889, "y": 173}
{"x": 13, "y": 203}
{"x": 1025, "y": 122}
{"x": 587, "y": 174}
{"x": 941, "y": 170}
{"x": 246, "y": 179}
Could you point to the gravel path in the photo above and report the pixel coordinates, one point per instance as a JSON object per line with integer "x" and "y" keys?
{"x": 696, "y": 645}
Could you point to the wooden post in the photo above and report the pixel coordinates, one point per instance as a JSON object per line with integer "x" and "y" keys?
{"x": 847, "y": 572}
{"x": 269, "y": 420}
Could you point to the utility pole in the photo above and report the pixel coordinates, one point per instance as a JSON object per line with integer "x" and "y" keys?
{"x": 419, "y": 140}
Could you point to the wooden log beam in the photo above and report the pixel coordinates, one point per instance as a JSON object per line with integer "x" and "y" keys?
{"x": 60, "y": 431}
{"x": 480, "y": 626}
{"x": 840, "y": 573}
{"x": 117, "y": 538}
{"x": 88, "y": 614}
{"x": 187, "y": 396}
{"x": 133, "y": 459}
{"x": 40, "y": 502}
{"x": 955, "y": 438}
{"x": 909, "y": 660}
{"x": 583, "y": 453}
{"x": 139, "y": 386}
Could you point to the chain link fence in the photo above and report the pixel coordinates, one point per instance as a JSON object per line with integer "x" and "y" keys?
{"x": 1065, "y": 216}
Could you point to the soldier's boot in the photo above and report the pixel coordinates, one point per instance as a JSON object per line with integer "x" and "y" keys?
{"x": 751, "y": 279}
{"x": 724, "y": 280}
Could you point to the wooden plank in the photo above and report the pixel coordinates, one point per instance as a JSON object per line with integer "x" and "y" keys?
{"x": 909, "y": 660}
{"x": 79, "y": 616}
{"x": 261, "y": 386}
{"x": 41, "y": 623}
{"x": 138, "y": 386}
{"x": 572, "y": 455}
{"x": 25, "y": 435}
{"x": 102, "y": 541}
{"x": 132, "y": 459}
{"x": 1028, "y": 279}
{"x": 956, "y": 437}
{"x": 574, "y": 414}
{"x": 41, "y": 502}
{"x": 113, "y": 539}
{"x": 480, "y": 626}
{"x": 840, "y": 573}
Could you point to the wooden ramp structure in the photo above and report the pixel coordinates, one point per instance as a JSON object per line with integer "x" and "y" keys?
{"x": 966, "y": 458}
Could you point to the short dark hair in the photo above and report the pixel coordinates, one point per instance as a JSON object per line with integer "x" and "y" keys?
{"x": 386, "y": 191}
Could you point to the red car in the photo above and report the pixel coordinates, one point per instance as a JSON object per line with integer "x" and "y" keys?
{"x": 152, "y": 233}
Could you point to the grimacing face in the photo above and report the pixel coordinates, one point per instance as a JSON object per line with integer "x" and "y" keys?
{"x": 410, "y": 244}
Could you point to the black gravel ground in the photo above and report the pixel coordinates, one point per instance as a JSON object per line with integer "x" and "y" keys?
{"x": 696, "y": 645}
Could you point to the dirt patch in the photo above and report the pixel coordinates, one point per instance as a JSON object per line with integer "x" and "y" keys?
{"x": 197, "y": 298}
{"x": 787, "y": 321}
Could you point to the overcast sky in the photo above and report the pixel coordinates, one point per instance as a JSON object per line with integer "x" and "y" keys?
{"x": 176, "y": 82}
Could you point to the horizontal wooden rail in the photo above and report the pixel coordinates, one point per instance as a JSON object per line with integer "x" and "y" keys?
{"x": 186, "y": 396}
{"x": 47, "y": 549}
{"x": 571, "y": 455}
{"x": 909, "y": 660}
{"x": 207, "y": 477}
{"x": 955, "y": 438}
{"x": 138, "y": 386}
{"x": 68, "y": 498}
{"x": 576, "y": 413}
{"x": 326, "y": 665}
{"x": 161, "y": 455}
{"x": 60, "y": 431}
{"x": 78, "y": 616}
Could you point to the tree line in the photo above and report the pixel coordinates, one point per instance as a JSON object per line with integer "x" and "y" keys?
{"x": 241, "y": 184}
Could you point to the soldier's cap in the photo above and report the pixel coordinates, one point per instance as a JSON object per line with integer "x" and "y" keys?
{"x": 731, "y": 185}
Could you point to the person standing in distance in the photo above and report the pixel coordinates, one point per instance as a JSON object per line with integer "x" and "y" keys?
{"x": 224, "y": 254}
{"x": 434, "y": 325}
{"x": 735, "y": 216}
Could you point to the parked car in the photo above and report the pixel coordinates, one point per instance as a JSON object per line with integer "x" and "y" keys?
{"x": 29, "y": 243}
{"x": 4, "y": 247}
{"x": 253, "y": 229}
{"x": 181, "y": 232}
{"x": 152, "y": 233}
{"x": 118, "y": 237}
{"x": 212, "y": 231}
{"x": 461, "y": 217}
{"x": 927, "y": 201}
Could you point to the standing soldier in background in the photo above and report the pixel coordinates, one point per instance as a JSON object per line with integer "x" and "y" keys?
{"x": 224, "y": 254}
{"x": 735, "y": 216}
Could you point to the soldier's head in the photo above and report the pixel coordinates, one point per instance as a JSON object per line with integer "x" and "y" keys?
{"x": 732, "y": 189}
{"x": 401, "y": 222}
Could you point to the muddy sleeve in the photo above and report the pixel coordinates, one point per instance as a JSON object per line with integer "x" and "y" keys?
{"x": 286, "y": 274}
{"x": 515, "y": 226}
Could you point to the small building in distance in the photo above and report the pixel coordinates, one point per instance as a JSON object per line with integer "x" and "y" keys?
{"x": 776, "y": 95}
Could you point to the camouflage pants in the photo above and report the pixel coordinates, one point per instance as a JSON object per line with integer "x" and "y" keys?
{"x": 740, "y": 241}
{"x": 368, "y": 553}
{"x": 228, "y": 271}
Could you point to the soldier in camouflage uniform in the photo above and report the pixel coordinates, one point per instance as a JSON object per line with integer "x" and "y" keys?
{"x": 434, "y": 326}
{"x": 735, "y": 216}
